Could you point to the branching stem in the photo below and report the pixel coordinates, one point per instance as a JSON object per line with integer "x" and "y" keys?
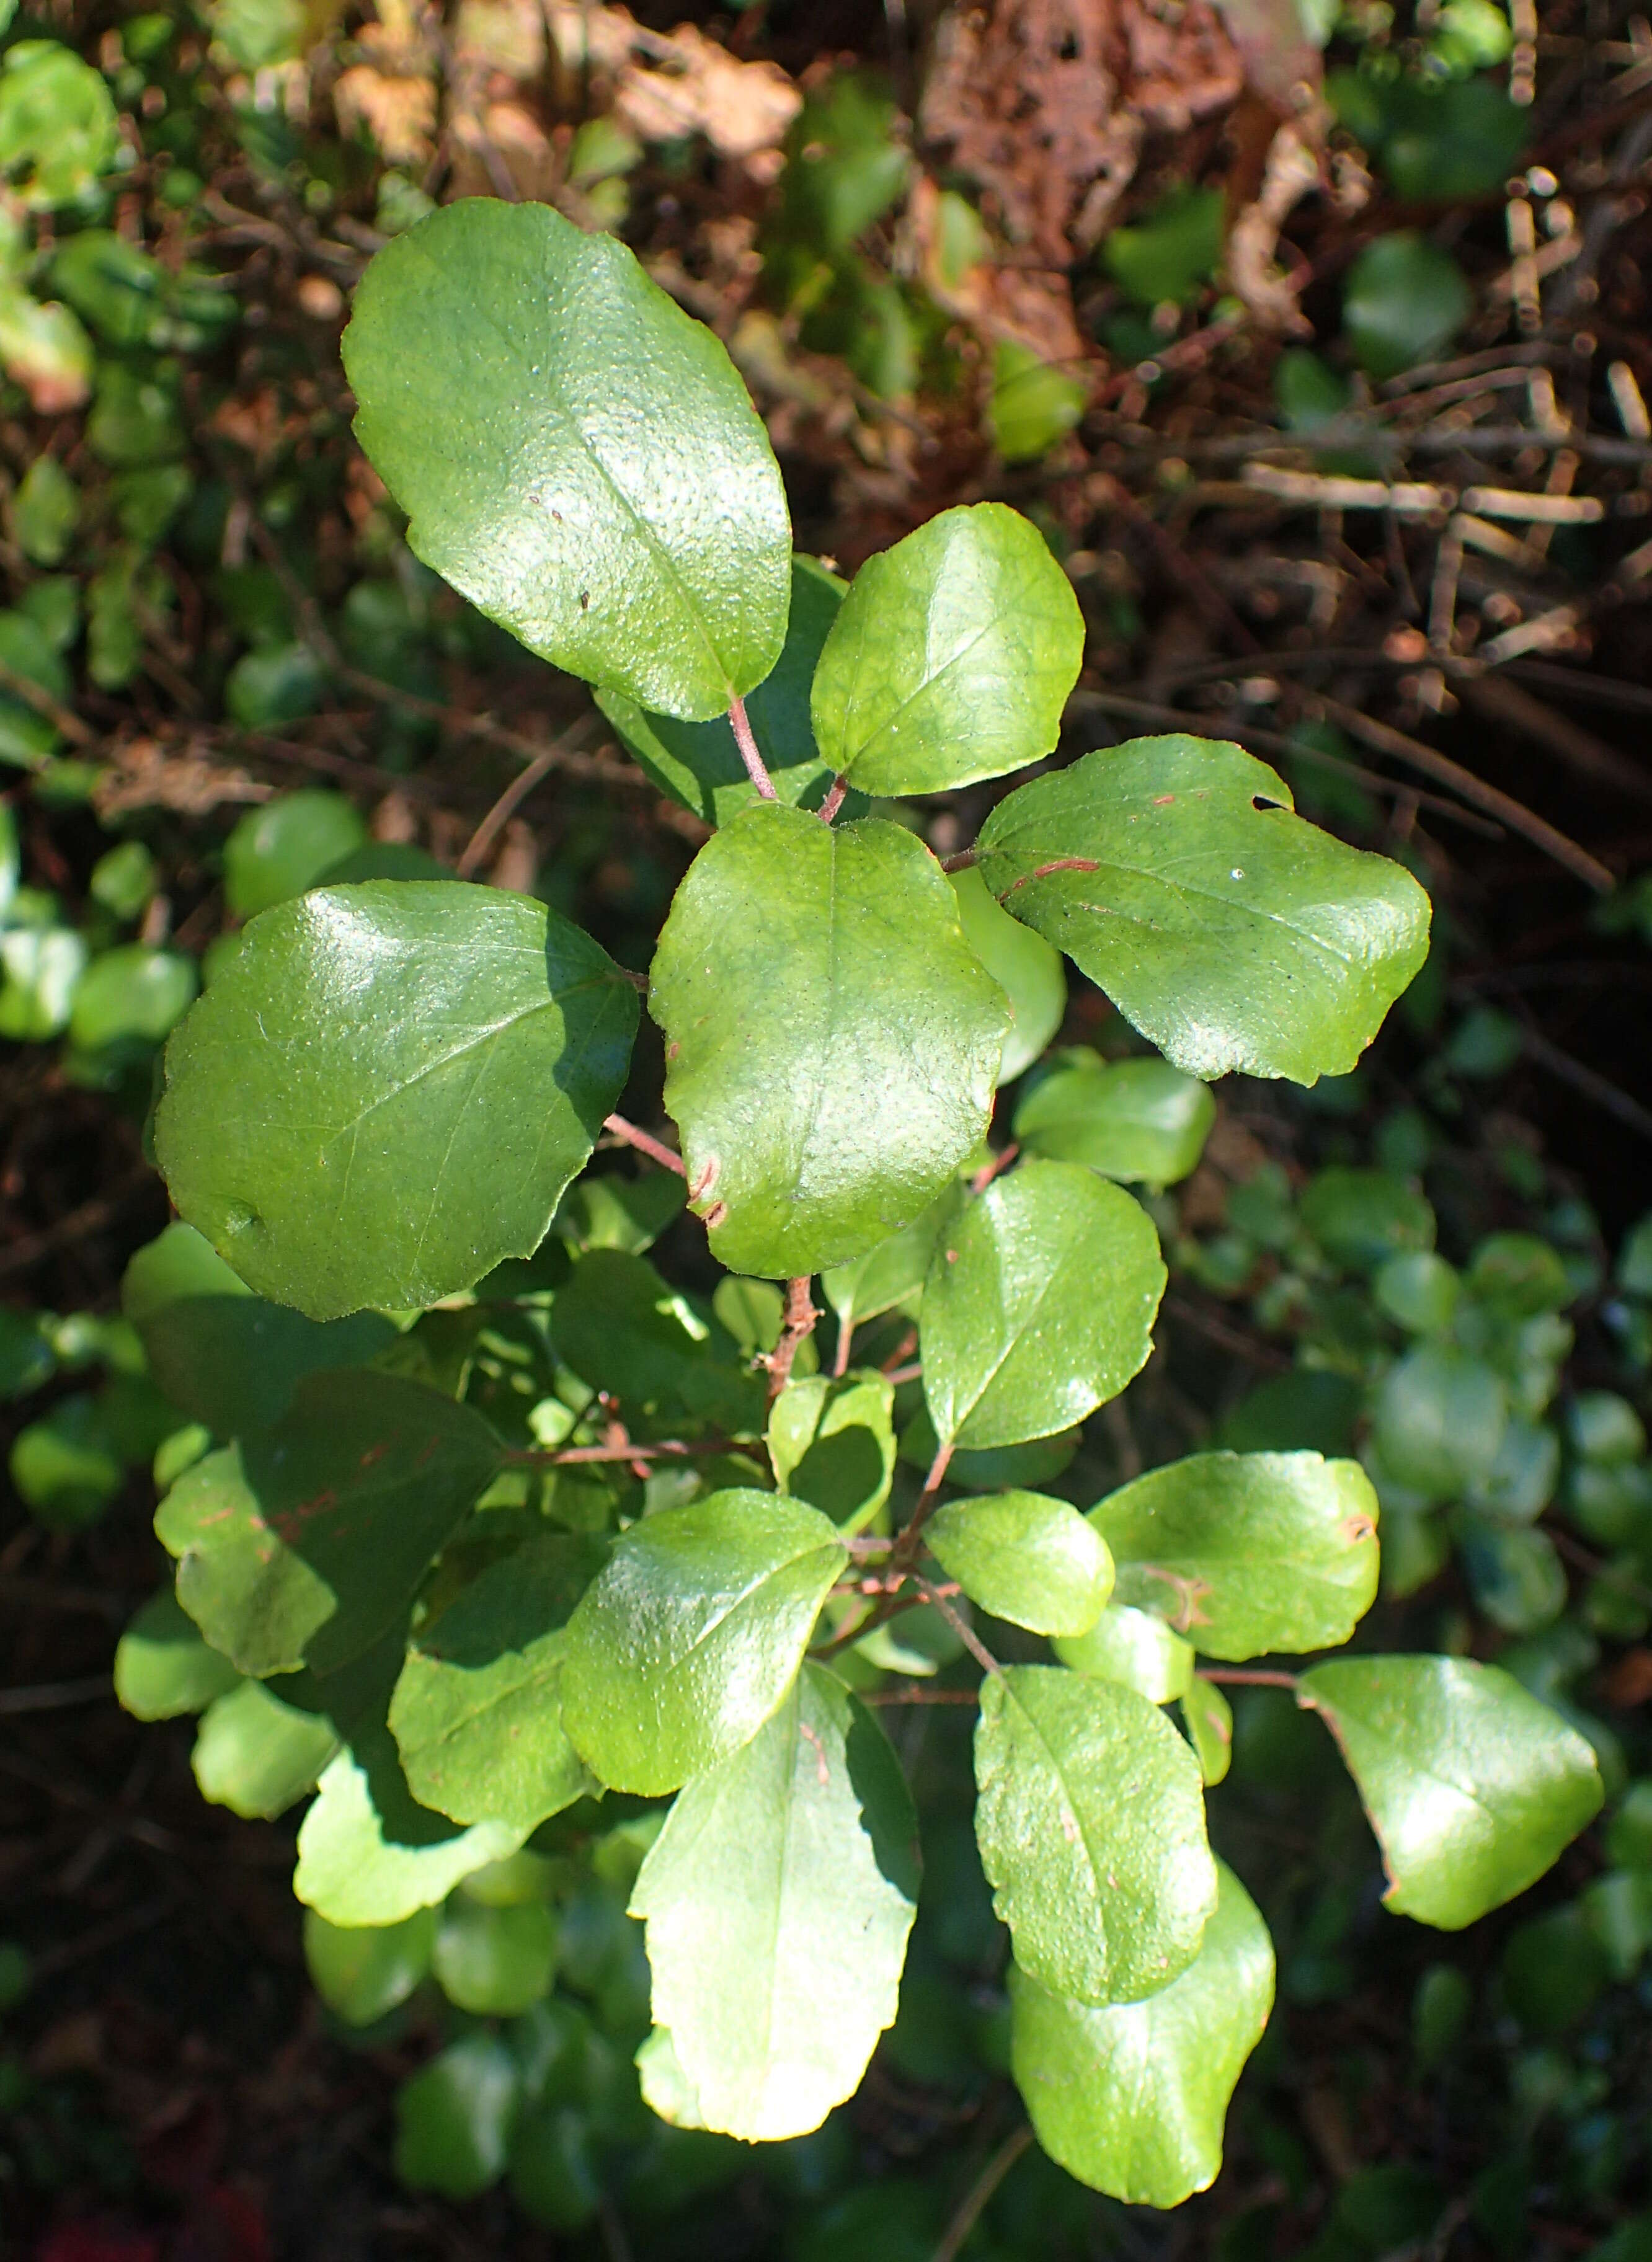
{"x": 755, "y": 768}
{"x": 960, "y": 1624}
{"x": 796, "y": 1329}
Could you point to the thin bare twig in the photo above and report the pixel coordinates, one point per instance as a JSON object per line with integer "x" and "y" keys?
{"x": 938, "y": 1598}
{"x": 1247, "y": 1676}
{"x": 968, "y": 2213}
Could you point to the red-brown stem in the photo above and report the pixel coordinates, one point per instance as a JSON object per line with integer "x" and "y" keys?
{"x": 960, "y": 1625}
{"x": 796, "y": 1329}
{"x": 631, "y": 1137}
{"x": 923, "y": 1696}
{"x": 1256, "y": 1677}
{"x": 755, "y": 769}
{"x": 834, "y": 801}
{"x": 962, "y": 862}
{"x": 988, "y": 1171}
{"x": 570, "y": 1456}
{"x": 846, "y": 1342}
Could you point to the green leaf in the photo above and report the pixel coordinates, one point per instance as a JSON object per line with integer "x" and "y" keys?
{"x": 621, "y": 1330}
{"x": 67, "y": 1467}
{"x": 229, "y": 1357}
{"x": 1038, "y": 1306}
{"x": 699, "y": 764}
{"x": 574, "y": 454}
{"x": 454, "y": 2118}
{"x": 306, "y": 1544}
{"x": 57, "y": 123}
{"x": 1209, "y": 1718}
{"x": 130, "y": 998}
{"x": 1472, "y": 1787}
{"x": 612, "y": 1212}
{"x": 831, "y": 1040}
{"x": 1439, "y": 1420}
{"x": 476, "y": 1712}
{"x": 386, "y": 1089}
{"x": 1360, "y": 1218}
{"x": 362, "y": 1972}
{"x": 1231, "y": 932}
{"x": 41, "y": 966}
{"x": 832, "y": 1443}
{"x": 1131, "y": 2098}
{"x": 495, "y": 1962}
{"x": 778, "y": 1899}
{"x": 368, "y": 1854}
{"x": 1025, "y": 1557}
{"x": 287, "y": 846}
{"x": 1139, "y": 1119}
{"x": 894, "y": 1270}
{"x": 1248, "y": 1553}
{"x": 164, "y": 1668}
{"x": 1091, "y": 1830}
{"x": 1033, "y": 404}
{"x": 258, "y": 1756}
{"x": 952, "y": 658}
{"x": 690, "y": 1638}
{"x": 1134, "y": 1649}
{"x": 45, "y": 511}
{"x": 1403, "y": 302}
{"x": 1170, "y": 253}
{"x": 1515, "y": 1575}
{"x": 1024, "y": 966}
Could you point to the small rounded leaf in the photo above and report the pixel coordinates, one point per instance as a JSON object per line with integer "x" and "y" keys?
{"x": 1038, "y": 1307}
{"x": 1131, "y": 2098}
{"x": 952, "y": 658}
{"x": 1027, "y": 969}
{"x": 454, "y": 2119}
{"x": 1472, "y": 1787}
{"x": 1248, "y": 1553}
{"x": 1025, "y": 1557}
{"x": 362, "y": 1972}
{"x": 689, "y": 1640}
{"x": 495, "y": 1962}
{"x": 1136, "y": 1649}
{"x": 1136, "y": 1119}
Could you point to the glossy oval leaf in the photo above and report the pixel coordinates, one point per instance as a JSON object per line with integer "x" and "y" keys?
{"x": 386, "y": 1089}
{"x": 1027, "y": 969}
{"x": 690, "y": 1638}
{"x": 831, "y": 1040}
{"x": 952, "y": 658}
{"x": 699, "y": 764}
{"x": 307, "y": 1544}
{"x": 1141, "y": 1120}
{"x": 1092, "y": 1829}
{"x": 1248, "y": 1553}
{"x": 832, "y": 1443}
{"x": 1131, "y": 2098}
{"x": 477, "y": 1710}
{"x": 1025, "y": 1558}
{"x": 1232, "y": 933}
{"x": 778, "y": 1899}
{"x": 1038, "y": 1306}
{"x": 574, "y": 453}
{"x": 1133, "y": 1648}
{"x": 256, "y": 1755}
{"x": 1472, "y": 1787}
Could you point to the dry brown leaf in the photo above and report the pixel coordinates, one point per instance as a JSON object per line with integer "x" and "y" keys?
{"x": 398, "y": 113}
{"x": 1044, "y": 102}
{"x": 670, "y": 85}
{"x": 502, "y": 35}
{"x": 139, "y": 774}
{"x": 1026, "y": 306}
